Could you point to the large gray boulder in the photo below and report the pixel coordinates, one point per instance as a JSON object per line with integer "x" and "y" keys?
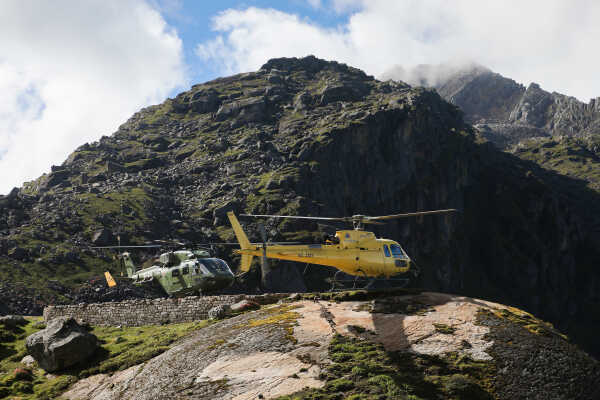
{"x": 62, "y": 344}
{"x": 12, "y": 321}
{"x": 219, "y": 312}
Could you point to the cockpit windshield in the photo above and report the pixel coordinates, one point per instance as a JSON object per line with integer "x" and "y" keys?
{"x": 215, "y": 265}
{"x": 397, "y": 251}
{"x": 386, "y": 250}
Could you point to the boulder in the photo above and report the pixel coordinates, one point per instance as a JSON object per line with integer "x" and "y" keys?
{"x": 247, "y": 110}
{"x": 341, "y": 92}
{"x": 18, "y": 253}
{"x": 62, "y": 344}
{"x": 205, "y": 101}
{"x": 244, "y": 305}
{"x": 103, "y": 237}
{"x": 54, "y": 178}
{"x": 12, "y": 321}
{"x": 219, "y": 312}
{"x": 230, "y": 205}
{"x": 28, "y": 361}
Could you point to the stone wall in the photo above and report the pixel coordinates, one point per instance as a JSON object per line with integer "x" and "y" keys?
{"x": 151, "y": 311}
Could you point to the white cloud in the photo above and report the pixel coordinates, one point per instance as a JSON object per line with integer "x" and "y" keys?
{"x": 255, "y": 35}
{"x": 73, "y": 71}
{"x": 551, "y": 42}
{"x": 315, "y": 3}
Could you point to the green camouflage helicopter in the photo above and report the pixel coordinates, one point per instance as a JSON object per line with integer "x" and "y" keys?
{"x": 179, "y": 273}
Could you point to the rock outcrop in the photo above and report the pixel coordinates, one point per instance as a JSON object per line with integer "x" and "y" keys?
{"x": 420, "y": 345}
{"x": 312, "y": 137}
{"x": 505, "y": 111}
{"x": 63, "y": 343}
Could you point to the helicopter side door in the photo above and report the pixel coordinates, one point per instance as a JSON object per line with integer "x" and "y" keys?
{"x": 186, "y": 275}
{"x": 387, "y": 259}
{"x": 176, "y": 279}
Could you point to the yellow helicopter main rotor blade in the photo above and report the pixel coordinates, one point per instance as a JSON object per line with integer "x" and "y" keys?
{"x": 293, "y": 216}
{"x": 413, "y": 214}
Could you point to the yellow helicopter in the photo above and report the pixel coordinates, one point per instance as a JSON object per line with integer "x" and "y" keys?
{"x": 354, "y": 252}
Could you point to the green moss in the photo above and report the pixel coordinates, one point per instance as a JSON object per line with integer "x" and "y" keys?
{"x": 358, "y": 295}
{"x": 217, "y": 343}
{"x": 282, "y": 315}
{"x": 339, "y": 385}
{"x": 231, "y": 152}
{"x": 136, "y": 200}
{"x": 159, "y": 113}
{"x": 141, "y": 164}
{"x": 445, "y": 329}
{"x": 528, "y": 321}
{"x": 134, "y": 345}
{"x": 225, "y": 233}
{"x": 51, "y": 388}
{"x": 361, "y": 369}
{"x": 568, "y": 156}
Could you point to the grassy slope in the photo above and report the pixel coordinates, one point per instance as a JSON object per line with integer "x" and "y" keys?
{"x": 568, "y": 156}
{"x": 121, "y": 348}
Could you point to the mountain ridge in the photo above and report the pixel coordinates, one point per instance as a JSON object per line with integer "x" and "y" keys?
{"x": 503, "y": 109}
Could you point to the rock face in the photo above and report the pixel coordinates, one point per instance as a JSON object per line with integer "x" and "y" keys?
{"x": 312, "y": 137}
{"x": 420, "y": 345}
{"x": 62, "y": 344}
{"x": 505, "y": 111}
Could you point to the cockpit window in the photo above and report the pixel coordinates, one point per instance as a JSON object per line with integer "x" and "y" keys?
{"x": 215, "y": 264}
{"x": 396, "y": 251}
{"x": 386, "y": 250}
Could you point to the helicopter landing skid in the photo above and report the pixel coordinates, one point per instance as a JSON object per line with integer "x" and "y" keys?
{"x": 365, "y": 283}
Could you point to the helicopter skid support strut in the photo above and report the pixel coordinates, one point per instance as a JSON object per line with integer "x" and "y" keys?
{"x": 358, "y": 282}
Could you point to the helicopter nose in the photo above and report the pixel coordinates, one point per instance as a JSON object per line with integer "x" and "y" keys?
{"x": 403, "y": 264}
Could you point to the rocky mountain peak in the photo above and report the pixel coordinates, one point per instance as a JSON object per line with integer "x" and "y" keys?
{"x": 311, "y": 64}
{"x": 505, "y": 111}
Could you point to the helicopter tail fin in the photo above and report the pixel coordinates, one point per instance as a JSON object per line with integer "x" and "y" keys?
{"x": 239, "y": 233}
{"x": 109, "y": 279}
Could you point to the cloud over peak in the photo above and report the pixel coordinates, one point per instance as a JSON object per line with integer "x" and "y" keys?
{"x": 542, "y": 41}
